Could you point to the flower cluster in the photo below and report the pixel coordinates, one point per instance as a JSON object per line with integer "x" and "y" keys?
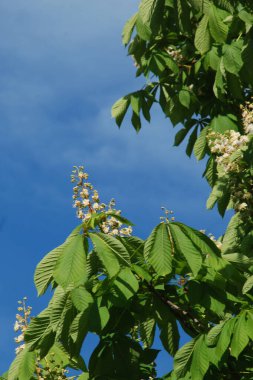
{"x": 175, "y": 53}
{"x": 166, "y": 217}
{"x": 87, "y": 202}
{"x": 247, "y": 117}
{"x": 21, "y": 323}
{"x": 52, "y": 369}
{"x": 224, "y": 146}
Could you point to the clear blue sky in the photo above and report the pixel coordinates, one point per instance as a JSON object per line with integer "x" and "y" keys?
{"x": 62, "y": 66}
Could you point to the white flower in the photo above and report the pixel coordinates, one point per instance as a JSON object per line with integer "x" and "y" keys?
{"x": 242, "y": 206}
{"x": 96, "y": 206}
{"x": 77, "y": 204}
{"x": 16, "y": 326}
{"x": 105, "y": 229}
{"x": 86, "y": 202}
{"x": 249, "y": 128}
{"x": 87, "y": 216}
{"x": 19, "y": 338}
{"x": 19, "y": 349}
{"x": 80, "y": 214}
{"x": 84, "y": 193}
{"x": 115, "y": 231}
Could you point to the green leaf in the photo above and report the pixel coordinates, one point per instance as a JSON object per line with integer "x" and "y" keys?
{"x": 84, "y": 376}
{"x": 200, "y": 240}
{"x": 57, "y": 305}
{"x": 128, "y": 29}
{"x": 71, "y": 266}
{"x": 181, "y": 134}
{"x": 218, "y": 29}
{"x": 147, "y": 331}
{"x": 158, "y": 250}
{"x": 248, "y": 285}
{"x": 182, "y": 359}
{"x": 191, "y": 141}
{"x": 38, "y": 327}
{"x": 111, "y": 252}
{"x": 240, "y": 337}
{"x": 200, "y": 146}
{"x": 82, "y": 299}
{"x": 119, "y": 109}
{"x": 135, "y": 100}
{"x": 202, "y": 37}
{"x": 200, "y": 361}
{"x": 232, "y": 58}
{"x": 232, "y": 238}
{"x": 44, "y": 271}
{"x": 148, "y": 18}
{"x": 185, "y": 247}
{"x": 210, "y": 172}
{"x": 222, "y": 123}
{"x": 185, "y": 98}
{"x": 167, "y": 323}
{"x": 23, "y": 366}
{"x": 213, "y": 334}
{"x": 124, "y": 287}
{"x": 183, "y": 16}
{"x": 225, "y": 337}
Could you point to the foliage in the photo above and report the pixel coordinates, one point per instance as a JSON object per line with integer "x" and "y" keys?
{"x": 196, "y": 56}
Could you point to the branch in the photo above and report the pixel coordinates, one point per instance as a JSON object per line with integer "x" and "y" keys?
{"x": 184, "y": 316}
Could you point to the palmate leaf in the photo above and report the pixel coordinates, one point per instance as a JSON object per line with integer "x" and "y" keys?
{"x": 23, "y": 366}
{"x": 158, "y": 250}
{"x": 71, "y": 266}
{"x": 44, "y": 271}
{"x": 111, "y": 252}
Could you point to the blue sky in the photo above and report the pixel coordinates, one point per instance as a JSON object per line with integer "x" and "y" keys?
{"x": 62, "y": 66}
